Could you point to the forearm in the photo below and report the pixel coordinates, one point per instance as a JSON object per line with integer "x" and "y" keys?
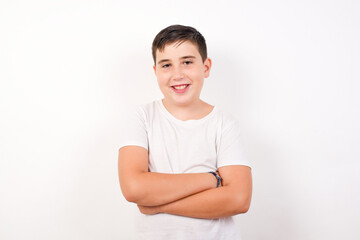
{"x": 232, "y": 198}
{"x": 153, "y": 189}
{"x": 213, "y": 203}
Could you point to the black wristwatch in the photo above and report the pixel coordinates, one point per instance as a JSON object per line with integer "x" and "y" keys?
{"x": 218, "y": 178}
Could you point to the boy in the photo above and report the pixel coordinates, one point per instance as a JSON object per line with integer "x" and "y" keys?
{"x": 180, "y": 159}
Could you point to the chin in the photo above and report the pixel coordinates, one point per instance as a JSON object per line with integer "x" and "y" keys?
{"x": 184, "y": 101}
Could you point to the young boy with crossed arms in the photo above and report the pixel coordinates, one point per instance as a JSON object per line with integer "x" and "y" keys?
{"x": 180, "y": 158}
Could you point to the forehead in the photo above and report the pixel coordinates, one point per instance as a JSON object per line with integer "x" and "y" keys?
{"x": 178, "y": 49}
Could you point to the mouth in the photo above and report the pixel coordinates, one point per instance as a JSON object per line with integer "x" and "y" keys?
{"x": 180, "y": 88}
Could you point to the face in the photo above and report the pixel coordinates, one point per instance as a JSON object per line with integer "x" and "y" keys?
{"x": 179, "y": 66}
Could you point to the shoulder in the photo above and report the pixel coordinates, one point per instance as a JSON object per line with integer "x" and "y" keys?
{"x": 143, "y": 110}
{"x": 226, "y": 118}
{"x": 146, "y": 113}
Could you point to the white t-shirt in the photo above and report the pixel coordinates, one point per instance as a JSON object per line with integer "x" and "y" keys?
{"x": 176, "y": 146}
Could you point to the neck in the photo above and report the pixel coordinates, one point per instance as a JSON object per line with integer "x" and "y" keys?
{"x": 195, "y": 110}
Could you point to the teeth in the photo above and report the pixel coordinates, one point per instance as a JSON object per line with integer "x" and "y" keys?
{"x": 180, "y": 87}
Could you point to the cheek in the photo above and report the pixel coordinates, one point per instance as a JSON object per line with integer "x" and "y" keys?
{"x": 159, "y": 76}
{"x": 162, "y": 79}
{"x": 197, "y": 75}
{"x": 163, "y": 74}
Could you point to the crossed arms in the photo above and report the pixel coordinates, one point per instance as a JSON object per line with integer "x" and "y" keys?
{"x": 191, "y": 194}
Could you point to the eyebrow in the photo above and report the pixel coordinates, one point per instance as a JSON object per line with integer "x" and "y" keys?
{"x": 167, "y": 60}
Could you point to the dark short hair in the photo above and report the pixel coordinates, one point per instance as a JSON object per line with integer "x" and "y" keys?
{"x": 179, "y": 33}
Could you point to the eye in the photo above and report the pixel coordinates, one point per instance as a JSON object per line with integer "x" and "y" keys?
{"x": 188, "y": 62}
{"x": 165, "y": 65}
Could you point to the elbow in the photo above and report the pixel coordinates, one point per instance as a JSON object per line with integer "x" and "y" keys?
{"x": 242, "y": 204}
{"x": 132, "y": 188}
{"x": 129, "y": 196}
{"x": 244, "y": 208}
{"x": 131, "y": 193}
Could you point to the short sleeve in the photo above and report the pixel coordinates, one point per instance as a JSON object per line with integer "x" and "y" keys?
{"x": 230, "y": 151}
{"x": 133, "y": 129}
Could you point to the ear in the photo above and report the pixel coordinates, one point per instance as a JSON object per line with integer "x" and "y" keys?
{"x": 154, "y": 67}
{"x": 207, "y": 67}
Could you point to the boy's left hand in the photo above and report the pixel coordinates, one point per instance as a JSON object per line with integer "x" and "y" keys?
{"x": 149, "y": 210}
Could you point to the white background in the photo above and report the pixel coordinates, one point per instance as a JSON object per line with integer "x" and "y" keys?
{"x": 289, "y": 70}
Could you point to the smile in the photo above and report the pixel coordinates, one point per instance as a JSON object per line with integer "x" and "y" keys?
{"x": 181, "y": 88}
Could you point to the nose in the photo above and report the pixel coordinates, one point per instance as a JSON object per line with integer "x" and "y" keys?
{"x": 177, "y": 73}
